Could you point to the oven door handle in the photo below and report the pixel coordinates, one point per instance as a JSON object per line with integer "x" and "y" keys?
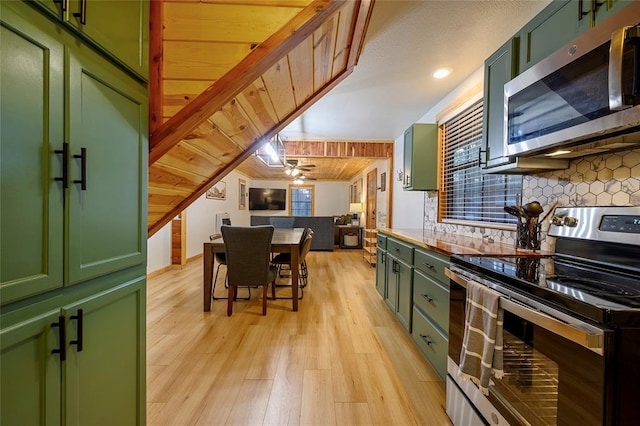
{"x": 583, "y": 334}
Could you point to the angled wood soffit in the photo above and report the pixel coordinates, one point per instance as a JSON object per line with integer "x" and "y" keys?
{"x": 275, "y": 83}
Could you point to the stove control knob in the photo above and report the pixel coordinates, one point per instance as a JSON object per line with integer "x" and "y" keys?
{"x": 569, "y": 221}
{"x": 556, "y": 220}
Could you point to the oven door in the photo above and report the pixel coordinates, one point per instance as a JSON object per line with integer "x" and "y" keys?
{"x": 554, "y": 368}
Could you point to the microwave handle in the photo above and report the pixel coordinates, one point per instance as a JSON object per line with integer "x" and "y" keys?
{"x": 617, "y": 99}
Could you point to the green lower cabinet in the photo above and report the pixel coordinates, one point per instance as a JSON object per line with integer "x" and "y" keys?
{"x": 381, "y": 273}
{"x": 101, "y": 381}
{"x": 105, "y": 381}
{"x": 30, "y": 392}
{"x": 431, "y": 341}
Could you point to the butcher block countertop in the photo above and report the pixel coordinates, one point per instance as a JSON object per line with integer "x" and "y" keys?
{"x": 449, "y": 243}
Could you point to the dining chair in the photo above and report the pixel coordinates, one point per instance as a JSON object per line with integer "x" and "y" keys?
{"x": 247, "y": 249}
{"x": 284, "y": 259}
{"x": 221, "y": 260}
{"x": 282, "y": 222}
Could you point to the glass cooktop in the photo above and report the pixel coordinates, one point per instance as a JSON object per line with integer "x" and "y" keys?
{"x": 601, "y": 295}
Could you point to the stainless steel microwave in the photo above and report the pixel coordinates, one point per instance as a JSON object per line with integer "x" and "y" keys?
{"x": 588, "y": 91}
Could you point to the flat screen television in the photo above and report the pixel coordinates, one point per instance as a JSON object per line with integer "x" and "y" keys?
{"x": 267, "y": 199}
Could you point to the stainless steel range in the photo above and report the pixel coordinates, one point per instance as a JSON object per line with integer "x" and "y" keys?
{"x": 571, "y": 326}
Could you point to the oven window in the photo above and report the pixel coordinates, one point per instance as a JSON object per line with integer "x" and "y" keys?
{"x": 547, "y": 380}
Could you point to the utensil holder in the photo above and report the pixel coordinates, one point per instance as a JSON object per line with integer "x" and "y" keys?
{"x": 528, "y": 236}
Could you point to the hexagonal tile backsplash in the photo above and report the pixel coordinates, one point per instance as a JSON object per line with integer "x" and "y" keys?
{"x": 598, "y": 180}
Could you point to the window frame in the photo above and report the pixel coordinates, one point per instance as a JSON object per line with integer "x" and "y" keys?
{"x": 473, "y": 168}
{"x": 293, "y": 187}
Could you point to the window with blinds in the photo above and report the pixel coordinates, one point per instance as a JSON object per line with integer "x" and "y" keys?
{"x": 466, "y": 193}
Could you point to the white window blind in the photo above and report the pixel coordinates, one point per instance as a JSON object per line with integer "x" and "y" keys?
{"x": 467, "y": 194}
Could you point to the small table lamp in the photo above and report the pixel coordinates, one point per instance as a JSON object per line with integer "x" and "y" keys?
{"x": 356, "y": 209}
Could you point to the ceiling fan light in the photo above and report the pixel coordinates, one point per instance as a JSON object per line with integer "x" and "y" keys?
{"x": 295, "y": 172}
{"x": 287, "y": 172}
{"x": 298, "y": 181}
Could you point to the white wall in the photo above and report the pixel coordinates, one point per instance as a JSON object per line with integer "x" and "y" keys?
{"x": 331, "y": 198}
{"x": 381, "y": 197}
{"x": 408, "y": 206}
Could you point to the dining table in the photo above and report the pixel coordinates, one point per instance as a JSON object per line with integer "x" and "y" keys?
{"x": 285, "y": 240}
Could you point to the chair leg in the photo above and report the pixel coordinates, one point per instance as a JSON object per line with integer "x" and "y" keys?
{"x": 213, "y": 285}
{"x": 232, "y": 291}
{"x": 264, "y": 299}
{"x": 273, "y": 290}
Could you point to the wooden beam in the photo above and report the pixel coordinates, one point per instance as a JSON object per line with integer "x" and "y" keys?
{"x": 156, "y": 95}
{"x": 223, "y": 171}
{"x": 362, "y": 19}
{"x": 241, "y": 76}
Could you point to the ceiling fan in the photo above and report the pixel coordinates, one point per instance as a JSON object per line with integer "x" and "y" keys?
{"x": 300, "y": 179}
{"x": 294, "y": 169}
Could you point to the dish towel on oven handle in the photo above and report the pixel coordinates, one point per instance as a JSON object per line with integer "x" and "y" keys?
{"x": 481, "y": 354}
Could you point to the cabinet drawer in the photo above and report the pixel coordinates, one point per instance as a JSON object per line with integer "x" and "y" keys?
{"x": 432, "y": 344}
{"x": 432, "y": 298}
{"x": 432, "y": 264}
{"x": 382, "y": 241}
{"x": 400, "y": 250}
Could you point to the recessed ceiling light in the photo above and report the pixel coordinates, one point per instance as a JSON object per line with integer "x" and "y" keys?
{"x": 441, "y": 73}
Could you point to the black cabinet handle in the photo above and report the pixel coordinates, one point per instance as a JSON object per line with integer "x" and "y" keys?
{"x": 430, "y": 266}
{"x": 62, "y": 339}
{"x": 83, "y": 12}
{"x": 426, "y": 339}
{"x": 78, "y": 317}
{"x": 65, "y": 165}
{"x": 428, "y": 298}
{"x": 581, "y": 12}
{"x": 83, "y": 168}
{"x": 63, "y": 4}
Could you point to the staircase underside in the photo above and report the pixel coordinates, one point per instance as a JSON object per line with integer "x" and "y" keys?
{"x": 273, "y": 84}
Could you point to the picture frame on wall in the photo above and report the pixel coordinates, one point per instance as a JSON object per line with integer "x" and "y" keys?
{"x": 218, "y": 191}
{"x": 242, "y": 194}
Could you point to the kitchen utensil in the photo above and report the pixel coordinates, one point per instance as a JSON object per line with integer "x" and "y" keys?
{"x": 551, "y": 209}
{"x": 532, "y": 209}
{"x": 514, "y": 211}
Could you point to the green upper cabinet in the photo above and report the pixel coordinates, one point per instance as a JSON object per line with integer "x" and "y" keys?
{"x": 604, "y": 9}
{"x": 559, "y": 23}
{"x": 421, "y": 157}
{"x": 120, "y": 28}
{"x": 499, "y": 68}
{"x": 107, "y": 122}
{"x": 551, "y": 29}
{"x": 31, "y": 119}
{"x": 65, "y": 108}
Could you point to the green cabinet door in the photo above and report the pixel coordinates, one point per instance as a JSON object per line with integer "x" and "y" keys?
{"x": 405, "y": 294}
{"x": 105, "y": 381}
{"x": 499, "y": 68}
{"x": 604, "y": 9}
{"x": 551, "y": 29}
{"x": 120, "y": 27}
{"x": 30, "y": 372}
{"x": 421, "y": 157}
{"x": 381, "y": 272}
{"x": 391, "y": 296}
{"x": 31, "y": 123}
{"x": 108, "y": 142}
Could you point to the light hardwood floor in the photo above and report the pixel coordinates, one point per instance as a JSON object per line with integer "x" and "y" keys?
{"x": 343, "y": 359}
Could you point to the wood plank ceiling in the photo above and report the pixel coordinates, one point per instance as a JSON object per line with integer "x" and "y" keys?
{"x": 226, "y": 75}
